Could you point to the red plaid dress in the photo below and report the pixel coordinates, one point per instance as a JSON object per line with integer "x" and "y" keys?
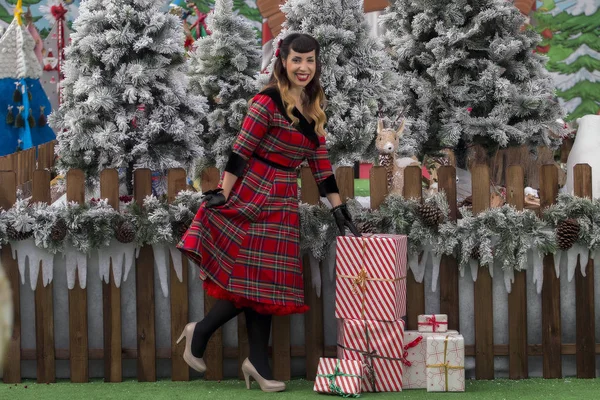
{"x": 248, "y": 249}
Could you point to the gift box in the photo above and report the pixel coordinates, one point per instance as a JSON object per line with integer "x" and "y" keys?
{"x": 341, "y": 377}
{"x": 445, "y": 362}
{"x": 371, "y": 277}
{"x": 378, "y": 345}
{"x": 413, "y": 369}
{"x": 432, "y": 323}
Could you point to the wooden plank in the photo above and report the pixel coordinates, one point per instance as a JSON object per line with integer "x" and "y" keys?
{"x": 78, "y": 323}
{"x": 111, "y": 294}
{"x": 517, "y": 298}
{"x": 415, "y": 292}
{"x": 377, "y": 186}
{"x": 144, "y": 279}
{"x": 31, "y": 163}
{"x": 243, "y": 347}
{"x": 44, "y": 311}
{"x": 268, "y": 7}
{"x": 12, "y": 364}
{"x": 41, "y": 156}
{"x": 5, "y": 163}
{"x": 314, "y": 336}
{"x": 20, "y": 170}
{"x": 213, "y": 355}
{"x": 584, "y": 290}
{"x": 449, "y": 300}
{"x": 483, "y": 294}
{"x": 177, "y": 181}
{"x": 282, "y": 356}
{"x": 551, "y": 325}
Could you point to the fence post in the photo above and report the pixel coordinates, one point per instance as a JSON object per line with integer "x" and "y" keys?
{"x": 78, "y": 322}
{"x": 449, "y": 300}
{"x": 213, "y": 356}
{"x": 44, "y": 311}
{"x": 551, "y": 325}
{"x": 111, "y": 294}
{"x": 415, "y": 292}
{"x": 177, "y": 181}
{"x": 314, "y": 337}
{"x": 12, "y": 366}
{"x": 144, "y": 279}
{"x": 584, "y": 291}
{"x": 483, "y": 295}
{"x": 517, "y": 298}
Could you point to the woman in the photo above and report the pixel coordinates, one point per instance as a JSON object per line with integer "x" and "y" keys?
{"x": 246, "y": 233}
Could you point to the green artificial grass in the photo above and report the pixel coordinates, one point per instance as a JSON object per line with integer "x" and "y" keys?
{"x": 361, "y": 187}
{"x": 296, "y": 390}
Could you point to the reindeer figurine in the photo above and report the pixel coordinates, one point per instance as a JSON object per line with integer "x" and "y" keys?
{"x": 387, "y": 143}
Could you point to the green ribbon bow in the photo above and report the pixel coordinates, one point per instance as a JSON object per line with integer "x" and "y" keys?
{"x": 332, "y": 385}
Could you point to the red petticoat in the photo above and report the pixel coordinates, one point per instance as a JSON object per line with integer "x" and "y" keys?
{"x": 214, "y": 290}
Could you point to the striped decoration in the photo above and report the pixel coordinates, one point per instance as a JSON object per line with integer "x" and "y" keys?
{"x": 348, "y": 385}
{"x": 379, "y": 345}
{"x": 371, "y": 277}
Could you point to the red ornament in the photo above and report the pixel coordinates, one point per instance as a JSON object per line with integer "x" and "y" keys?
{"x": 277, "y": 53}
{"x": 469, "y": 109}
{"x": 543, "y": 49}
{"x": 547, "y": 33}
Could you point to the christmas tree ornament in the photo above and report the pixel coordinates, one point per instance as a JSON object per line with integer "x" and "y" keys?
{"x": 20, "y": 121}
{"x": 42, "y": 118}
{"x": 567, "y": 233}
{"x": 17, "y": 96}
{"x": 59, "y": 230}
{"x": 14, "y": 234}
{"x": 10, "y": 117}
{"x": 30, "y": 119}
{"x": 125, "y": 232}
{"x": 430, "y": 214}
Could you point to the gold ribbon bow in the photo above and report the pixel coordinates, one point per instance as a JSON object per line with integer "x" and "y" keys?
{"x": 446, "y": 364}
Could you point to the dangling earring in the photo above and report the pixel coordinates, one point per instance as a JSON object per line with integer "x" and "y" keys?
{"x": 10, "y": 117}
{"x": 20, "y": 121}
{"x": 42, "y": 119}
{"x": 30, "y": 119}
{"x": 17, "y": 97}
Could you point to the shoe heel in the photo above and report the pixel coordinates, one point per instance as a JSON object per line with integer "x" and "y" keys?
{"x": 247, "y": 377}
{"x": 181, "y": 337}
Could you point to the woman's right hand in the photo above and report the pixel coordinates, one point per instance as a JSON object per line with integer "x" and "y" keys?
{"x": 213, "y": 198}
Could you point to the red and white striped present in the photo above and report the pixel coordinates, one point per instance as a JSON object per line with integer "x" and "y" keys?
{"x": 445, "y": 362}
{"x": 371, "y": 277}
{"x": 341, "y": 377}
{"x": 414, "y": 372}
{"x": 432, "y": 323}
{"x": 379, "y": 345}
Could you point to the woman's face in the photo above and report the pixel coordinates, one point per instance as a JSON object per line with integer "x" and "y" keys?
{"x": 300, "y": 67}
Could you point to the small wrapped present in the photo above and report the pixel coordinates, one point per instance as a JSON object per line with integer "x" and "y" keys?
{"x": 445, "y": 362}
{"x": 432, "y": 323}
{"x": 378, "y": 345}
{"x": 413, "y": 370}
{"x": 371, "y": 277}
{"x": 341, "y": 377}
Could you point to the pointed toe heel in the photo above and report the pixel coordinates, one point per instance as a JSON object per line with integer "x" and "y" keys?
{"x": 266, "y": 385}
{"x": 195, "y": 363}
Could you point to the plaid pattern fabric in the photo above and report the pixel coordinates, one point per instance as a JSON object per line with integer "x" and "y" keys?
{"x": 250, "y": 245}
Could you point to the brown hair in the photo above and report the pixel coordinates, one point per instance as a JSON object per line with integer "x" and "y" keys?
{"x": 314, "y": 96}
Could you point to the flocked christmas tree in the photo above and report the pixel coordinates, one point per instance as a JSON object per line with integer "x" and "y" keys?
{"x": 223, "y": 67}
{"x": 570, "y": 40}
{"x": 357, "y": 76}
{"x": 469, "y": 75}
{"x": 125, "y": 101}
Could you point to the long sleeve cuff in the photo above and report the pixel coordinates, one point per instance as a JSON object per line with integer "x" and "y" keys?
{"x": 236, "y": 164}
{"x": 328, "y": 185}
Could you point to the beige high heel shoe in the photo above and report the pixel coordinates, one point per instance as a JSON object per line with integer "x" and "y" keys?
{"x": 194, "y": 362}
{"x": 265, "y": 384}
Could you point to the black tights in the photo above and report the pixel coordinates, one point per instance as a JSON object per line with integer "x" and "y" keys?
{"x": 258, "y": 328}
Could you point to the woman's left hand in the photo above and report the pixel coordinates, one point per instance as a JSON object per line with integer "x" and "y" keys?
{"x": 213, "y": 198}
{"x": 343, "y": 220}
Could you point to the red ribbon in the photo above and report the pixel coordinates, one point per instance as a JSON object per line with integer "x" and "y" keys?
{"x": 410, "y": 346}
{"x": 58, "y": 12}
{"x": 433, "y": 322}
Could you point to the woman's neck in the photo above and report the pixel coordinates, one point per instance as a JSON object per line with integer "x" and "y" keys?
{"x": 296, "y": 93}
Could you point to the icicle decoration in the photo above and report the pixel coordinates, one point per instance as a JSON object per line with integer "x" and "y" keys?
{"x": 177, "y": 259}
{"x": 509, "y": 278}
{"x": 474, "y": 264}
{"x": 580, "y": 251}
{"x": 538, "y": 269}
{"x": 76, "y": 261}
{"x": 26, "y": 250}
{"x": 435, "y": 260}
{"x": 122, "y": 256}
{"x": 418, "y": 266}
{"x": 161, "y": 261}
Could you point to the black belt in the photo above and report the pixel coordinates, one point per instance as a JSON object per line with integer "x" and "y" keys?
{"x": 272, "y": 164}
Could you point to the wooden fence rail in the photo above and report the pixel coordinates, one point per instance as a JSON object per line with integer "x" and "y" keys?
{"x": 518, "y": 349}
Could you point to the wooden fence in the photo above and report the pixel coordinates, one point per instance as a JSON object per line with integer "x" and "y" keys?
{"x": 25, "y": 162}
{"x": 484, "y": 350}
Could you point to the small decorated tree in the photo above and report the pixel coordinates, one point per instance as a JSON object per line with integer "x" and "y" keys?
{"x": 125, "y": 101}
{"x": 223, "y": 67}
{"x": 357, "y": 74}
{"x": 470, "y": 75}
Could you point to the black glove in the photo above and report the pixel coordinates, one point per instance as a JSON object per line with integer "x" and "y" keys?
{"x": 343, "y": 220}
{"x": 213, "y": 198}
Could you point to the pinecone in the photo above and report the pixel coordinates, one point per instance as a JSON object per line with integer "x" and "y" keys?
{"x": 566, "y": 233}
{"x": 59, "y": 230}
{"x": 180, "y": 228}
{"x": 13, "y": 234}
{"x": 475, "y": 255}
{"x": 366, "y": 226}
{"x": 125, "y": 232}
{"x": 430, "y": 214}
